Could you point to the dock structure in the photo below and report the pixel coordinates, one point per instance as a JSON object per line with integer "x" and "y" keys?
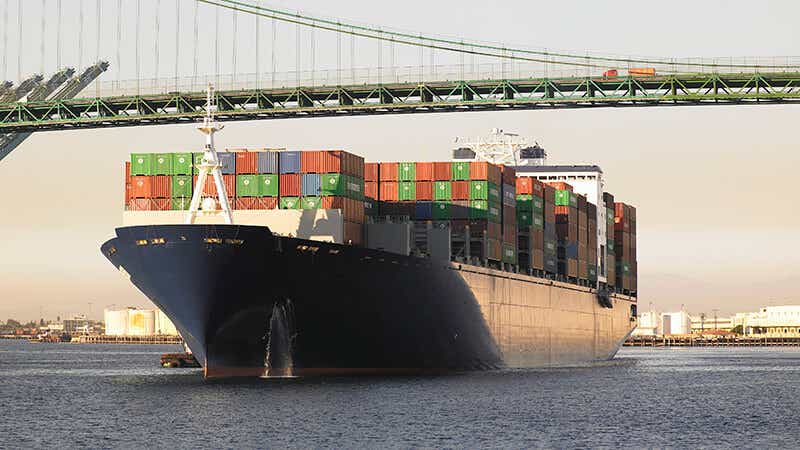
{"x": 105, "y": 339}
{"x": 720, "y": 341}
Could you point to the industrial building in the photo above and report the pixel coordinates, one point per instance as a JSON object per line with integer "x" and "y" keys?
{"x": 132, "y": 321}
{"x": 770, "y": 321}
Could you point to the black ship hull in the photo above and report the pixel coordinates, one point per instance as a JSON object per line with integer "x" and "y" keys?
{"x": 250, "y": 303}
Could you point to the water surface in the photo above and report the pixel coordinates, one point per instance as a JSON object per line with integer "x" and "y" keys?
{"x": 90, "y": 395}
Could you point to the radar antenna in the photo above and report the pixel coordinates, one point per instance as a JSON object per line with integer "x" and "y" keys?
{"x": 209, "y": 165}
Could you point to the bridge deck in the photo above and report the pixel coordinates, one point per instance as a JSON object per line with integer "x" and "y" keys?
{"x": 373, "y": 99}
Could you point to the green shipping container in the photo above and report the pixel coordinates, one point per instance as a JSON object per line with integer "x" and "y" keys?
{"x": 407, "y": 191}
{"x": 495, "y": 212}
{"x": 509, "y": 253}
{"x": 460, "y": 171}
{"x": 290, "y": 203}
{"x": 181, "y": 186}
{"x": 538, "y": 204}
{"x": 478, "y": 190}
{"x": 441, "y": 210}
{"x": 247, "y": 186}
{"x": 267, "y": 185}
{"x": 197, "y": 159}
{"x": 623, "y": 268}
{"x": 524, "y": 202}
{"x": 181, "y": 203}
{"x": 311, "y": 202}
{"x": 162, "y": 164}
{"x": 524, "y": 218}
{"x": 354, "y": 187}
{"x": 610, "y": 245}
{"x": 478, "y": 209}
{"x": 592, "y": 270}
{"x": 562, "y": 198}
{"x": 332, "y": 184}
{"x": 442, "y": 190}
{"x": 181, "y": 164}
{"x": 407, "y": 171}
{"x": 537, "y": 221}
{"x": 141, "y": 164}
{"x": 494, "y": 193}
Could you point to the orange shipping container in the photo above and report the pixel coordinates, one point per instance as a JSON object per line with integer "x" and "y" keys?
{"x": 442, "y": 171}
{"x": 139, "y": 204}
{"x": 424, "y": 190}
{"x": 127, "y": 182}
{"x": 388, "y": 190}
{"x": 388, "y": 171}
{"x": 246, "y": 162}
{"x": 424, "y": 171}
{"x": 141, "y": 186}
{"x": 481, "y": 170}
{"x": 161, "y": 204}
{"x": 210, "y": 188}
{"x": 562, "y": 210}
{"x": 289, "y": 185}
{"x": 371, "y": 172}
{"x": 161, "y": 186}
{"x": 371, "y": 189}
{"x": 256, "y": 203}
{"x": 460, "y": 190}
{"x": 524, "y": 185}
{"x": 561, "y": 186}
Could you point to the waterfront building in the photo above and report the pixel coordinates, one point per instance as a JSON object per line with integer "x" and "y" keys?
{"x": 676, "y": 323}
{"x": 703, "y": 324}
{"x": 649, "y": 324}
{"x": 770, "y": 321}
{"x": 132, "y": 321}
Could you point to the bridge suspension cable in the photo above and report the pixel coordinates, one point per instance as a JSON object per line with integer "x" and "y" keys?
{"x": 471, "y": 47}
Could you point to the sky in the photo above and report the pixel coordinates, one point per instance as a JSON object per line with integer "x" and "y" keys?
{"x": 713, "y": 186}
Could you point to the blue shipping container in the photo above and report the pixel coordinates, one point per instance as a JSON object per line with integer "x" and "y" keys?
{"x": 268, "y": 162}
{"x": 423, "y": 210}
{"x": 568, "y": 250}
{"x": 311, "y": 184}
{"x": 290, "y": 162}
{"x": 228, "y": 162}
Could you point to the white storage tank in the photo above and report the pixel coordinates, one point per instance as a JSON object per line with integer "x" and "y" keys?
{"x": 116, "y": 321}
{"x": 164, "y": 326}
{"x": 141, "y": 322}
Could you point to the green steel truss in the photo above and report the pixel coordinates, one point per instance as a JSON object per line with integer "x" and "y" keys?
{"x": 442, "y": 96}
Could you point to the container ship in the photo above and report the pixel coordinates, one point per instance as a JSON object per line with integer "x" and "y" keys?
{"x": 293, "y": 263}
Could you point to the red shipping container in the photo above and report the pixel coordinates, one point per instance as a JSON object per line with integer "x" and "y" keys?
{"x": 510, "y": 233}
{"x": 509, "y": 174}
{"x": 289, "y": 185}
{"x": 388, "y": 171}
{"x": 336, "y": 161}
{"x": 561, "y": 186}
{"x": 538, "y": 188}
{"x": 246, "y": 162}
{"x": 127, "y": 182}
{"x": 460, "y": 190}
{"x": 310, "y": 161}
{"x": 139, "y": 204}
{"x": 210, "y": 188}
{"x": 424, "y": 171}
{"x": 495, "y": 230}
{"x": 141, "y": 186}
{"x": 371, "y": 189}
{"x": 442, "y": 171}
{"x": 481, "y": 170}
{"x": 562, "y": 210}
{"x": 371, "y": 172}
{"x": 161, "y": 186}
{"x": 424, "y": 189}
{"x": 161, "y": 204}
{"x": 388, "y": 190}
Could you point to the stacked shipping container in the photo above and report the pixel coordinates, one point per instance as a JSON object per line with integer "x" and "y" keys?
{"x": 254, "y": 180}
{"x": 625, "y": 246}
{"x": 459, "y": 195}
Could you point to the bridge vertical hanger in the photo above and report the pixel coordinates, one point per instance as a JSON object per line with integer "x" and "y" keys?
{"x": 209, "y": 165}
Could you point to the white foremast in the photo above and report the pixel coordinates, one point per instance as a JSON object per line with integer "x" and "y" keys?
{"x": 209, "y": 165}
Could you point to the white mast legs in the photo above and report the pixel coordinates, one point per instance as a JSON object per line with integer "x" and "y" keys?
{"x": 209, "y": 165}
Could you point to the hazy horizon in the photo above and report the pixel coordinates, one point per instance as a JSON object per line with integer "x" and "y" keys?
{"x": 713, "y": 186}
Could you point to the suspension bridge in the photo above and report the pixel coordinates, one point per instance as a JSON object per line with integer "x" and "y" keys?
{"x": 449, "y": 75}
